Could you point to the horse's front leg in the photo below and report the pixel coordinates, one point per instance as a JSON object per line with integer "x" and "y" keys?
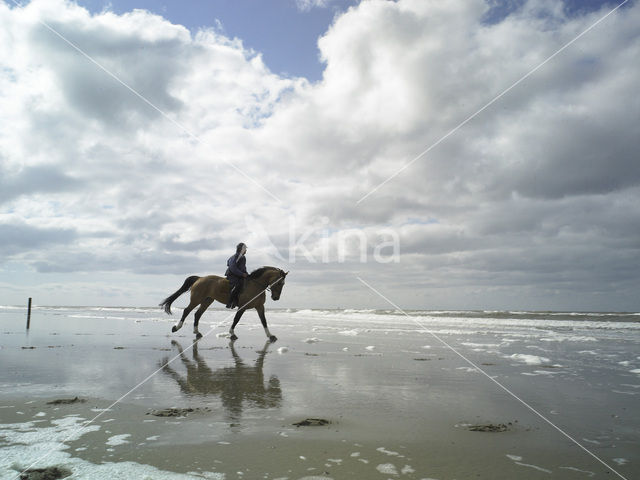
{"x": 236, "y": 319}
{"x": 263, "y": 319}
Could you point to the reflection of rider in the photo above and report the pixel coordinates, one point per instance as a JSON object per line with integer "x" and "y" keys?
{"x": 234, "y": 384}
{"x": 236, "y": 273}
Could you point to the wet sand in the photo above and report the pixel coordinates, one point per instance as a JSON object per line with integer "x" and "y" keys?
{"x": 397, "y": 403}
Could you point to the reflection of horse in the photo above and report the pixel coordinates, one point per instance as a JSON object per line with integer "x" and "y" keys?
{"x": 204, "y": 290}
{"x": 235, "y": 385}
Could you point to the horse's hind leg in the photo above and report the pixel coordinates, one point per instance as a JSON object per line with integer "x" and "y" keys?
{"x": 203, "y": 306}
{"x": 186, "y": 312}
{"x": 236, "y": 319}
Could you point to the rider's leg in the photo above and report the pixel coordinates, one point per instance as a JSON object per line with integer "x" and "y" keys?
{"x": 233, "y": 289}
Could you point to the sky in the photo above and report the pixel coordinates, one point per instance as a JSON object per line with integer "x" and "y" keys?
{"x": 451, "y": 155}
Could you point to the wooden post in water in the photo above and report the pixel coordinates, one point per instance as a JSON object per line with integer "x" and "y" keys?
{"x": 29, "y": 314}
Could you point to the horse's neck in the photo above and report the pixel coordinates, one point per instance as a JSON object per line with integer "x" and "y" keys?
{"x": 269, "y": 276}
{"x": 266, "y": 276}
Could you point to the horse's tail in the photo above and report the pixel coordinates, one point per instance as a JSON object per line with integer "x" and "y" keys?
{"x": 188, "y": 283}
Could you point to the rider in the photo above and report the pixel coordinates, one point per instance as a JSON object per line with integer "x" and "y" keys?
{"x": 236, "y": 273}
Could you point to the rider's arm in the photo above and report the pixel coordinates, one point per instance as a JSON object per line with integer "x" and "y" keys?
{"x": 233, "y": 267}
{"x": 242, "y": 265}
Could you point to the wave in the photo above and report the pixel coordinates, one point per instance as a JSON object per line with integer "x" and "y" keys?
{"x": 511, "y": 315}
{"x": 524, "y": 318}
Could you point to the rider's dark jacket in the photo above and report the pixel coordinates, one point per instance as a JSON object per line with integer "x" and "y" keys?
{"x": 236, "y": 268}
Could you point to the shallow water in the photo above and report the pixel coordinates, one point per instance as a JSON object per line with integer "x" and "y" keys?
{"x": 399, "y": 391}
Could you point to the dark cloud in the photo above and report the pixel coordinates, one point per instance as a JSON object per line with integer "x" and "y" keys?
{"x": 18, "y": 238}
{"x": 146, "y": 66}
{"x": 174, "y": 244}
{"x": 121, "y": 260}
{"x": 39, "y": 179}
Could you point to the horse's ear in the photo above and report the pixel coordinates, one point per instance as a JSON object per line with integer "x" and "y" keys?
{"x": 285, "y": 273}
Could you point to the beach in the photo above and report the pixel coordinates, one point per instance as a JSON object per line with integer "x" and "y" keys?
{"x": 112, "y": 393}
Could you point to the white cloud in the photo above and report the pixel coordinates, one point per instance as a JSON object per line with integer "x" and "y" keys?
{"x": 531, "y": 204}
{"x": 306, "y": 5}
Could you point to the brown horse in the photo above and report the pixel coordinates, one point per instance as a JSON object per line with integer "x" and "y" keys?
{"x": 206, "y": 290}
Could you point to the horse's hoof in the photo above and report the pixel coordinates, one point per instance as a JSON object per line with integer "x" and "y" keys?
{"x": 273, "y": 338}
{"x": 174, "y": 329}
{"x": 198, "y": 336}
{"x": 233, "y": 337}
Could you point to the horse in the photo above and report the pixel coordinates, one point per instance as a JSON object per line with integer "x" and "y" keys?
{"x": 206, "y": 290}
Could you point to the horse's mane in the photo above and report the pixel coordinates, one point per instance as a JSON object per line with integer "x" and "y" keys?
{"x": 257, "y": 273}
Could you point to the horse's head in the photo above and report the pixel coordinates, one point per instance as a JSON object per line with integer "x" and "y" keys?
{"x": 270, "y": 278}
{"x": 277, "y": 284}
